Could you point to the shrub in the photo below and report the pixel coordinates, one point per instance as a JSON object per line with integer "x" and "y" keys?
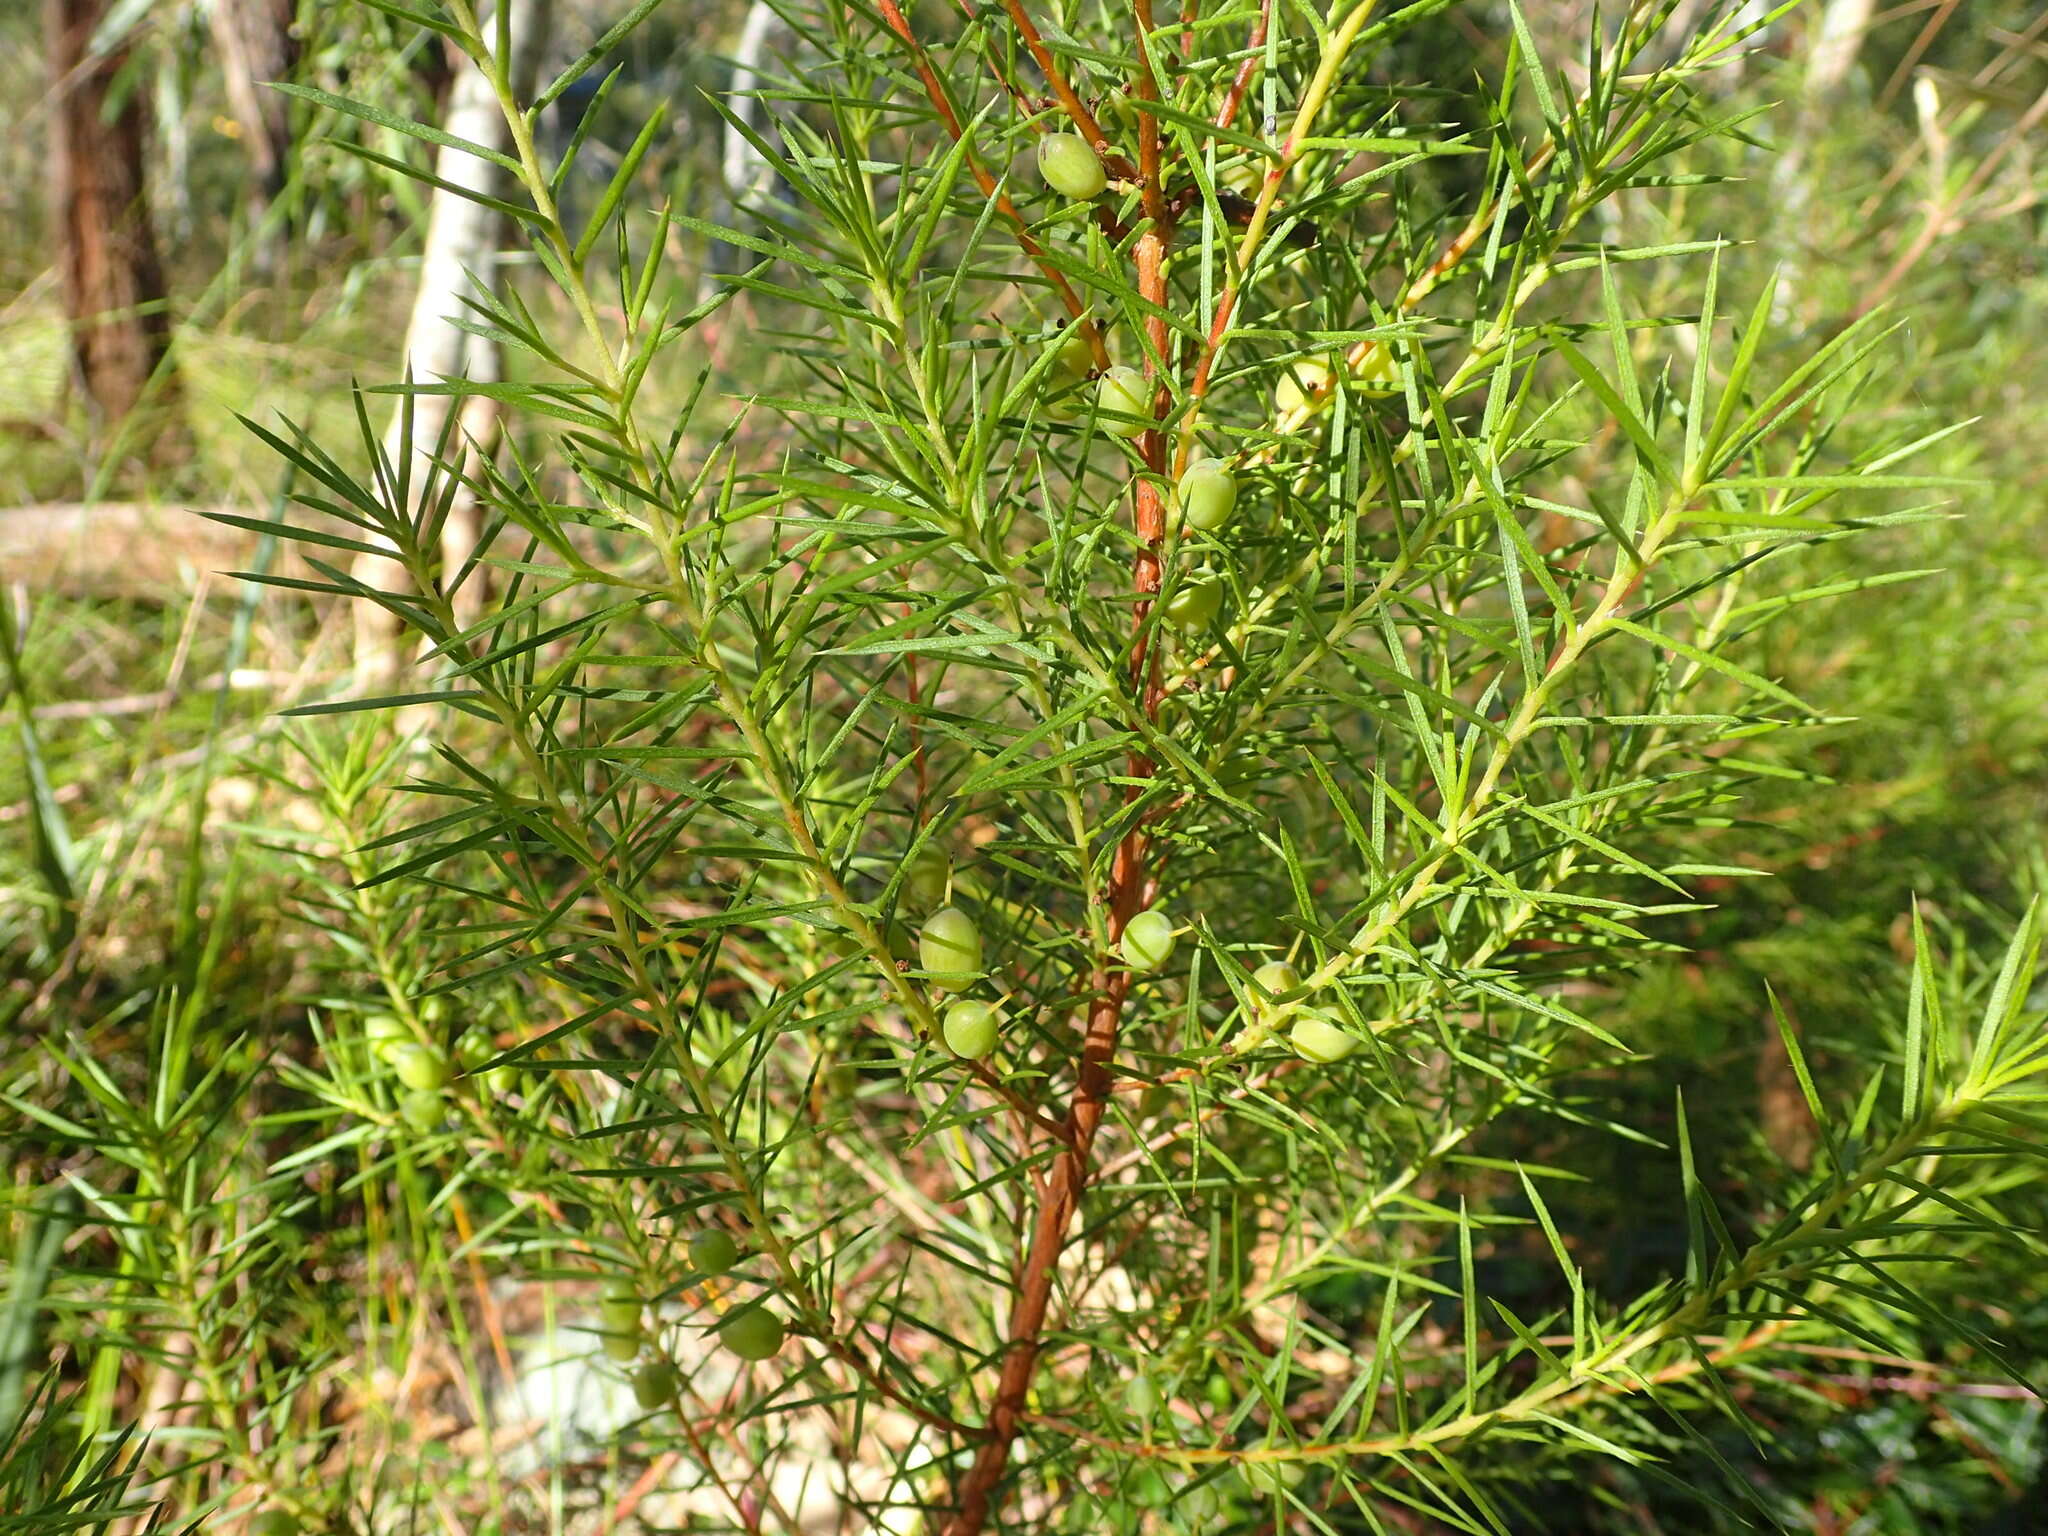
{"x": 1468, "y": 648}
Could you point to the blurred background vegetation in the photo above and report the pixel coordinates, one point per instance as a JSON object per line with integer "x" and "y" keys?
{"x": 169, "y": 843}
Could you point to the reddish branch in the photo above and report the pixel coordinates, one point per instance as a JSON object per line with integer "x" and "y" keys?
{"x": 893, "y": 17}
{"x": 1129, "y": 880}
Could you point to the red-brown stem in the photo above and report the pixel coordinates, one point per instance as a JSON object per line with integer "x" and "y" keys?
{"x": 894, "y": 18}
{"x": 1071, "y": 104}
{"x": 1130, "y": 878}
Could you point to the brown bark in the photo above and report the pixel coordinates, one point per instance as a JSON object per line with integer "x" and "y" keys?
{"x": 113, "y": 279}
{"x": 254, "y": 43}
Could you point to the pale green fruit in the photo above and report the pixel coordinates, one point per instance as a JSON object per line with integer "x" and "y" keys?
{"x": 1070, "y": 167}
{"x": 273, "y": 1522}
{"x": 1197, "y": 1506}
{"x": 1125, "y": 400}
{"x": 622, "y": 1347}
{"x": 1076, "y": 357}
{"x": 1379, "y": 374}
{"x": 422, "y": 1109}
{"x": 752, "y": 1333}
{"x": 654, "y": 1384}
{"x": 1304, "y": 387}
{"x": 1141, "y": 1397}
{"x": 713, "y": 1252}
{"x": 619, "y": 1315}
{"x": 1194, "y": 604}
{"x": 930, "y": 872}
{"x": 385, "y": 1032}
{"x": 949, "y": 946}
{"x": 1147, "y": 942}
{"x": 1272, "y": 1476}
{"x": 1207, "y": 495}
{"x": 420, "y": 1067}
{"x": 970, "y": 1029}
{"x": 1316, "y": 1039}
{"x": 1276, "y": 978}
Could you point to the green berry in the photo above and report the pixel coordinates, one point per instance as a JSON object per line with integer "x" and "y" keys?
{"x": 385, "y": 1033}
{"x": 713, "y": 1252}
{"x": 930, "y": 873}
{"x": 1194, "y": 603}
{"x": 624, "y": 1348}
{"x": 1070, "y": 167}
{"x": 1272, "y": 1476}
{"x": 273, "y": 1522}
{"x": 1316, "y": 1039}
{"x": 752, "y": 1333}
{"x": 1208, "y": 495}
{"x": 949, "y": 946}
{"x": 1076, "y": 357}
{"x": 1303, "y": 388}
{"x": 420, "y": 1067}
{"x": 1141, "y": 1397}
{"x": 654, "y": 1384}
{"x": 620, "y": 1309}
{"x": 1218, "y": 1390}
{"x": 970, "y": 1029}
{"x": 1276, "y": 978}
{"x": 422, "y": 1108}
{"x": 1198, "y": 1504}
{"x": 1147, "y": 942}
{"x": 1123, "y": 396}
{"x": 475, "y": 1048}
{"x": 1379, "y": 374}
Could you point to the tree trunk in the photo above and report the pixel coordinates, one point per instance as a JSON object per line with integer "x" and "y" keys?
{"x": 113, "y": 280}
{"x": 1843, "y": 24}
{"x": 749, "y": 179}
{"x": 254, "y": 44}
{"x": 462, "y": 240}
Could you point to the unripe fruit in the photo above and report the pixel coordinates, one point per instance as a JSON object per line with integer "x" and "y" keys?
{"x": 1378, "y": 373}
{"x": 949, "y": 946}
{"x": 1076, "y": 357}
{"x": 384, "y": 1032}
{"x": 1272, "y": 1476}
{"x": 273, "y": 1522}
{"x": 713, "y": 1252}
{"x": 421, "y": 1068}
{"x": 931, "y": 871}
{"x": 1194, "y": 604}
{"x": 1316, "y": 1039}
{"x": 970, "y": 1029}
{"x": 752, "y": 1333}
{"x": 1141, "y": 1397}
{"x": 1125, "y": 400}
{"x": 1070, "y": 167}
{"x": 1276, "y": 978}
{"x": 1198, "y": 1505}
{"x": 474, "y": 1049}
{"x": 1208, "y": 495}
{"x": 654, "y": 1384}
{"x": 422, "y": 1109}
{"x": 619, "y": 1314}
{"x": 1147, "y": 943}
{"x": 1304, "y": 387}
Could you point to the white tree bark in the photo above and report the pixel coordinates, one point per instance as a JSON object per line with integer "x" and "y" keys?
{"x": 1839, "y": 39}
{"x": 748, "y": 178}
{"x": 462, "y": 240}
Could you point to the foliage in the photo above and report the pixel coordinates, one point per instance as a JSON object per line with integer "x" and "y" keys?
{"x": 1479, "y": 721}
